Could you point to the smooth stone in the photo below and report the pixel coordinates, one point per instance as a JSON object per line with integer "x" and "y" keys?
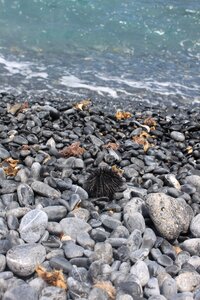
{"x": 157, "y": 297}
{"x": 149, "y": 239}
{"x": 170, "y": 180}
{"x": 194, "y": 180}
{"x": 38, "y": 284}
{"x": 35, "y": 170}
{"x": 4, "y": 153}
{"x": 53, "y": 293}
{"x": 134, "y": 205}
{"x": 165, "y": 260}
{"x": 169, "y": 288}
{"x": 104, "y": 252}
{"x": 98, "y": 293}
{"x": 187, "y": 281}
{"x": 79, "y": 164}
{"x": 117, "y": 242}
{"x": 80, "y": 213}
{"x": 161, "y": 209}
{"x": 134, "y": 241}
{"x": 84, "y": 240}
{"x": 45, "y": 190}
{"x": 12, "y": 222}
{"x": 139, "y": 254}
{"x": 23, "y": 259}
{"x": 194, "y": 261}
{"x": 33, "y": 225}
{"x": 99, "y": 235}
{"x": 54, "y": 253}
{"x": 134, "y": 221}
{"x": 77, "y": 288}
{"x": 182, "y": 258}
{"x": 133, "y": 191}
{"x": 120, "y": 232}
{"x": 95, "y": 140}
{"x": 18, "y": 139}
{"x": 80, "y": 191}
{"x": 54, "y": 227}
{"x": 21, "y": 292}
{"x": 192, "y": 246}
{"x": 60, "y": 263}
{"x": 110, "y": 222}
{"x": 140, "y": 270}
{"x": 152, "y": 288}
{"x": 129, "y": 284}
{"x": 183, "y": 296}
{"x": 130, "y": 172}
{"x": 195, "y": 226}
{"x": 74, "y": 226}
{"x": 177, "y": 136}
{"x": 72, "y": 250}
{"x": 2, "y": 262}
{"x": 55, "y": 212}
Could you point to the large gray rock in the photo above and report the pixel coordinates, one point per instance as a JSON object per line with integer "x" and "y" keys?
{"x": 170, "y": 216}
{"x": 187, "y": 281}
{"x": 73, "y": 226}
{"x": 23, "y": 259}
{"x": 33, "y": 225}
{"x": 45, "y": 190}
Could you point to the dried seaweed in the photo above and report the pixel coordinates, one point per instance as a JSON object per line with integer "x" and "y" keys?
{"x": 55, "y": 278}
{"x": 83, "y": 104}
{"x": 110, "y": 145}
{"x": 121, "y": 115}
{"x": 141, "y": 139}
{"x": 9, "y": 166}
{"x": 107, "y": 287}
{"x": 72, "y": 150}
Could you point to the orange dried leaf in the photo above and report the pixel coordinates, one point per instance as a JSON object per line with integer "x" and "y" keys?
{"x": 189, "y": 149}
{"x": 121, "y": 115}
{"x": 72, "y": 150}
{"x": 141, "y": 139}
{"x": 177, "y": 249}
{"x": 151, "y": 122}
{"x": 107, "y": 287}
{"x": 110, "y": 145}
{"x": 117, "y": 170}
{"x": 83, "y": 104}
{"x": 9, "y": 166}
{"x": 55, "y": 278}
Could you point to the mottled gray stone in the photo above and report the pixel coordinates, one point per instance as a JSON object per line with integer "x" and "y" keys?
{"x": 134, "y": 205}
{"x": 103, "y": 252}
{"x": 152, "y": 288}
{"x": 4, "y": 153}
{"x": 169, "y": 288}
{"x": 177, "y": 136}
{"x": 72, "y": 250}
{"x": 140, "y": 269}
{"x": 53, "y": 293}
{"x": 55, "y": 212}
{"x": 95, "y": 140}
{"x": 134, "y": 221}
{"x": 194, "y": 180}
{"x": 149, "y": 239}
{"x": 74, "y": 226}
{"x": 23, "y": 259}
{"x": 80, "y": 191}
{"x": 195, "y": 226}
{"x": 21, "y": 292}
{"x": 161, "y": 209}
{"x": 171, "y": 180}
{"x": 33, "y": 225}
{"x": 54, "y": 227}
{"x": 110, "y": 222}
{"x": 60, "y": 263}
{"x": 45, "y": 190}
{"x": 187, "y": 281}
{"x": 84, "y": 240}
{"x": 192, "y": 246}
{"x": 2, "y": 262}
{"x": 97, "y": 293}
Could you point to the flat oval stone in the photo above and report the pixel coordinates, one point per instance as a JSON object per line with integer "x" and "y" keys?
{"x": 161, "y": 210}
{"x": 72, "y": 250}
{"x": 23, "y": 259}
{"x": 55, "y": 212}
{"x": 21, "y": 292}
{"x": 33, "y": 225}
{"x": 45, "y": 190}
{"x": 140, "y": 269}
{"x": 192, "y": 246}
{"x": 134, "y": 221}
{"x": 25, "y": 195}
{"x": 177, "y": 136}
{"x": 73, "y": 226}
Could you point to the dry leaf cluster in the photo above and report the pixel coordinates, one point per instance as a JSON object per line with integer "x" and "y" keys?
{"x": 151, "y": 122}
{"x": 16, "y": 108}
{"x": 55, "y": 278}
{"x": 141, "y": 139}
{"x": 110, "y": 145}
{"x": 117, "y": 170}
{"x": 189, "y": 149}
{"x": 83, "y": 104}
{"x": 107, "y": 287}
{"x": 122, "y": 115}
{"x": 9, "y": 166}
{"x": 72, "y": 150}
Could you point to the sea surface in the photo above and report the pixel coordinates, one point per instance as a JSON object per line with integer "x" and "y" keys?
{"x": 111, "y": 49}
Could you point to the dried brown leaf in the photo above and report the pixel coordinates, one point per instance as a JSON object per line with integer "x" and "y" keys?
{"x": 9, "y": 166}
{"x": 72, "y": 150}
{"x": 141, "y": 139}
{"x": 189, "y": 149}
{"x": 55, "y": 278}
{"x": 121, "y": 115}
{"x": 25, "y": 147}
{"x": 177, "y": 249}
{"x": 151, "y": 122}
{"x": 107, "y": 287}
{"x": 24, "y": 106}
{"x": 83, "y": 104}
{"x": 110, "y": 145}
{"x": 13, "y": 109}
{"x": 117, "y": 170}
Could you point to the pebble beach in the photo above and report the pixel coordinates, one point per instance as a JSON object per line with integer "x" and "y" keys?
{"x": 60, "y": 242}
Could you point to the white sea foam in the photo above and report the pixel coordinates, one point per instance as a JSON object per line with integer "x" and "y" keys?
{"x": 74, "y": 82}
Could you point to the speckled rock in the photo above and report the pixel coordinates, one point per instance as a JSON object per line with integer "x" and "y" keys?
{"x": 187, "y": 281}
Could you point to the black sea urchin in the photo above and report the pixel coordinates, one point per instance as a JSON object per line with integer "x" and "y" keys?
{"x": 103, "y": 182}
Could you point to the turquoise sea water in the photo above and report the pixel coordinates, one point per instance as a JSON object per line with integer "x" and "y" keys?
{"x": 136, "y": 49}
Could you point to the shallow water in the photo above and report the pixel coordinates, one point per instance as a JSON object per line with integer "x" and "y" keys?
{"x": 115, "y": 49}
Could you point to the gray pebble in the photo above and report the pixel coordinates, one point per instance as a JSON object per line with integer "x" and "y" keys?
{"x": 4, "y": 153}
{"x": 192, "y": 246}
{"x": 60, "y": 263}
{"x": 23, "y": 259}
{"x": 195, "y": 226}
{"x": 110, "y": 222}
{"x": 103, "y": 252}
{"x": 194, "y": 180}
{"x": 54, "y": 227}
{"x": 97, "y": 293}
{"x": 74, "y": 226}
{"x": 80, "y": 191}
{"x": 140, "y": 269}
{"x": 84, "y": 240}
{"x": 187, "y": 281}
{"x": 164, "y": 260}
{"x": 33, "y": 225}
{"x": 2, "y": 262}
{"x": 55, "y": 212}
{"x": 53, "y": 293}
{"x": 169, "y": 288}
{"x": 134, "y": 221}
{"x": 134, "y": 205}
{"x": 177, "y": 136}
{"x": 21, "y": 292}
{"x": 72, "y": 250}
{"x": 149, "y": 239}
{"x": 45, "y": 190}
{"x": 152, "y": 288}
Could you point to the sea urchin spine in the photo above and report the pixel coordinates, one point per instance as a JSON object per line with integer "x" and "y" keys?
{"x": 103, "y": 182}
